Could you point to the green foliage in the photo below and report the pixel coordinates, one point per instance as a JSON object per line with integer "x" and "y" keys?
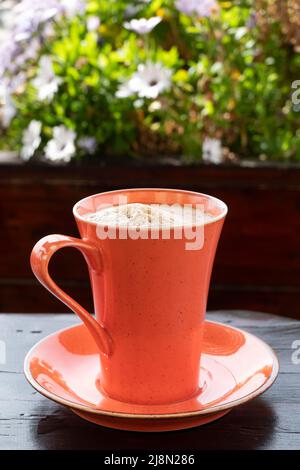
{"x": 228, "y": 81}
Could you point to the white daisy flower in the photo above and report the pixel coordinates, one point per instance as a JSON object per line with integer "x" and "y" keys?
{"x": 142, "y": 25}
{"x": 93, "y": 23}
{"x": 62, "y": 146}
{"x": 46, "y": 82}
{"x": 88, "y": 144}
{"x": 212, "y": 151}
{"x": 149, "y": 81}
{"x": 31, "y": 139}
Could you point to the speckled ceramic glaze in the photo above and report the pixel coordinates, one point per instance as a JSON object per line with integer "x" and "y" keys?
{"x": 236, "y": 367}
{"x": 150, "y": 299}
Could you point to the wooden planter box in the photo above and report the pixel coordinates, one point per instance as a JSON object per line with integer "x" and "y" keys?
{"x": 258, "y": 260}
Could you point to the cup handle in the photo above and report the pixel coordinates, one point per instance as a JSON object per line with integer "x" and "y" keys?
{"x": 39, "y": 260}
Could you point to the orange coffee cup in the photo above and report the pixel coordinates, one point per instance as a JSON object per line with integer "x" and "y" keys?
{"x": 150, "y": 296}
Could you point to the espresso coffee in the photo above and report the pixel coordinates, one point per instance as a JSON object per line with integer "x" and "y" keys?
{"x": 148, "y": 215}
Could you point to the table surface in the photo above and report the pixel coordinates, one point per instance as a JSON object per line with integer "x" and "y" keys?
{"x": 30, "y": 421}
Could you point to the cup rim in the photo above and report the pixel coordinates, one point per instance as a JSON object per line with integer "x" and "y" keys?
{"x": 218, "y": 201}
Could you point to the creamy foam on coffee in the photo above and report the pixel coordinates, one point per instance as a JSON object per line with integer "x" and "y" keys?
{"x": 148, "y": 215}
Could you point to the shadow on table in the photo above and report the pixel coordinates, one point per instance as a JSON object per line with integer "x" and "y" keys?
{"x": 247, "y": 427}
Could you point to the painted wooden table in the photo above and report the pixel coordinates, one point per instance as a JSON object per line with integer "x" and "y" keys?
{"x": 30, "y": 421}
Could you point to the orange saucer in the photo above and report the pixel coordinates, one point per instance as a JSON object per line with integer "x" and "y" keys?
{"x": 235, "y": 367}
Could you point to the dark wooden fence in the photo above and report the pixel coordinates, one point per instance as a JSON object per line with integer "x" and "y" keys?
{"x": 258, "y": 261}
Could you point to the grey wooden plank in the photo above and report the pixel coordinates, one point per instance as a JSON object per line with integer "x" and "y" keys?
{"x": 256, "y": 425}
{"x": 30, "y": 421}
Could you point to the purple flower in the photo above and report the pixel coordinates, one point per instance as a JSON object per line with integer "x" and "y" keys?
{"x": 251, "y": 23}
{"x": 88, "y": 144}
{"x": 73, "y": 7}
{"x": 8, "y": 52}
{"x": 17, "y": 81}
{"x": 199, "y": 8}
{"x": 30, "y": 14}
{"x": 31, "y": 17}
